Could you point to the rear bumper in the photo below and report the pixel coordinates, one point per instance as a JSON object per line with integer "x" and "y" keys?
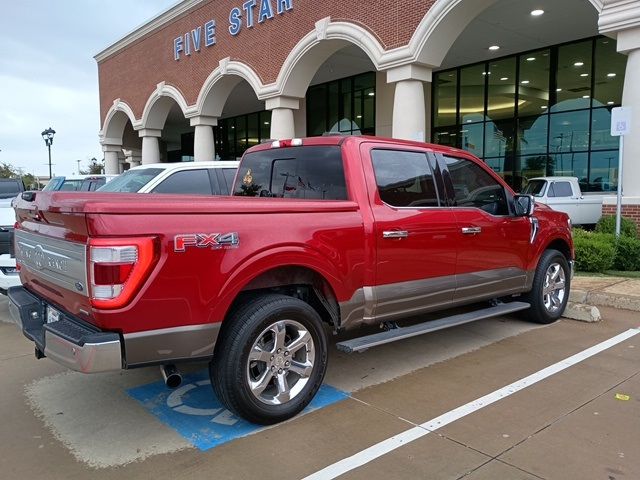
{"x": 68, "y": 341}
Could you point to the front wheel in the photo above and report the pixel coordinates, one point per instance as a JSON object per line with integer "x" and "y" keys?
{"x": 550, "y": 292}
{"x": 270, "y": 360}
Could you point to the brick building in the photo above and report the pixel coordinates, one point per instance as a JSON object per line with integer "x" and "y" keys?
{"x": 526, "y": 85}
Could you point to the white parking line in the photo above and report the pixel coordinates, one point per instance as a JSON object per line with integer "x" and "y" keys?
{"x": 379, "y": 449}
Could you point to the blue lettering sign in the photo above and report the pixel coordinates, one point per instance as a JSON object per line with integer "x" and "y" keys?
{"x": 210, "y": 33}
{"x": 187, "y": 44}
{"x": 196, "y": 38}
{"x": 177, "y": 48}
{"x": 234, "y": 21}
{"x": 248, "y": 8}
{"x": 266, "y": 11}
{"x": 284, "y": 6}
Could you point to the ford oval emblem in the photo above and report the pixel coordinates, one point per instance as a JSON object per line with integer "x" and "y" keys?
{"x": 38, "y": 257}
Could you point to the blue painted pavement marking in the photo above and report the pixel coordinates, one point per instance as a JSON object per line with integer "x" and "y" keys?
{"x": 195, "y": 413}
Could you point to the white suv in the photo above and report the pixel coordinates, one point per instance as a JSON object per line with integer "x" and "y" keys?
{"x": 196, "y": 178}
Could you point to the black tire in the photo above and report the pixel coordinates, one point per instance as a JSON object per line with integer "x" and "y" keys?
{"x": 246, "y": 331}
{"x": 540, "y": 312}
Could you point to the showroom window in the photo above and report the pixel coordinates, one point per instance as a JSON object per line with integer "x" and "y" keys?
{"x": 545, "y": 112}
{"x": 235, "y": 134}
{"x": 346, "y": 106}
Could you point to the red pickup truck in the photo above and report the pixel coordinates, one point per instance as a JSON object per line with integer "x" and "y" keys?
{"x": 329, "y": 233}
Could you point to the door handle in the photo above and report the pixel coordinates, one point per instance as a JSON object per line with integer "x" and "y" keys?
{"x": 471, "y": 230}
{"x": 395, "y": 234}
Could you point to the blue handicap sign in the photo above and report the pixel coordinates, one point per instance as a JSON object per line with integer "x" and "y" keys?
{"x": 195, "y": 413}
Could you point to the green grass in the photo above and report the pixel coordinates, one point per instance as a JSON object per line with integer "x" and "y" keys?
{"x": 610, "y": 273}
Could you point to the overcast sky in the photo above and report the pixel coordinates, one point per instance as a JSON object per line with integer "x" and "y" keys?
{"x": 48, "y": 77}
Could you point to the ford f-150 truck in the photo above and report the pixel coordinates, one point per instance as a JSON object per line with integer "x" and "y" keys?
{"x": 320, "y": 234}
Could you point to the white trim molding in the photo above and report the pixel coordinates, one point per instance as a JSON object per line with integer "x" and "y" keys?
{"x": 158, "y": 105}
{"x": 219, "y": 84}
{"x": 145, "y": 29}
{"x": 619, "y": 15}
{"x": 115, "y": 121}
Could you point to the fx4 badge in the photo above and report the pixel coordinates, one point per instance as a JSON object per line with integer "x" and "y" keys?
{"x": 214, "y": 241}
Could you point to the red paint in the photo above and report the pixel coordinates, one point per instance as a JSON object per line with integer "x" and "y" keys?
{"x": 339, "y": 240}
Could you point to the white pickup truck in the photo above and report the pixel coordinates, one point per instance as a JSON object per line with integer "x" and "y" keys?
{"x": 564, "y": 195}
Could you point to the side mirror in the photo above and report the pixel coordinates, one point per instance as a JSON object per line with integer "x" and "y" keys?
{"x": 525, "y": 205}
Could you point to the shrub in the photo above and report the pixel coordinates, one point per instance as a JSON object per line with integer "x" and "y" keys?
{"x": 627, "y": 254}
{"x": 595, "y": 252}
{"x": 607, "y": 224}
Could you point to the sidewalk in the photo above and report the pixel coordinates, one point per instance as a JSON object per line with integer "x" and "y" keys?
{"x": 617, "y": 292}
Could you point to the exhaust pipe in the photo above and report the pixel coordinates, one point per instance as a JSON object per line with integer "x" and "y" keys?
{"x": 171, "y": 376}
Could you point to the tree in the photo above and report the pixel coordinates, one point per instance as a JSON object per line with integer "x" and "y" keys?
{"x": 8, "y": 171}
{"x": 96, "y": 167}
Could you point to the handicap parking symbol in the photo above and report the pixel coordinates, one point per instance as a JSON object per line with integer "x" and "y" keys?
{"x": 195, "y": 413}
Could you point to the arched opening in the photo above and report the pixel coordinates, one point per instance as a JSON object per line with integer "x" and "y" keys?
{"x": 537, "y": 103}
{"x": 164, "y": 122}
{"x": 243, "y": 121}
{"x": 341, "y": 96}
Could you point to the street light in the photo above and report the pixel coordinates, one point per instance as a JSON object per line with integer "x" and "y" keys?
{"x": 47, "y": 136}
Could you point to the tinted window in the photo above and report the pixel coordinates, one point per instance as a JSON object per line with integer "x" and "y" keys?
{"x": 560, "y": 189}
{"x": 131, "y": 181}
{"x": 229, "y": 175}
{"x": 9, "y": 189}
{"x": 296, "y": 172}
{"x": 474, "y": 187}
{"x": 193, "y": 182}
{"x": 70, "y": 186}
{"x": 54, "y": 184}
{"x": 404, "y": 179}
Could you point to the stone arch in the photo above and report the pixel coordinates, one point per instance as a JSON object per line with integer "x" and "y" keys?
{"x": 316, "y": 47}
{"x": 159, "y": 104}
{"x": 115, "y": 122}
{"x": 442, "y": 25}
{"x": 220, "y": 84}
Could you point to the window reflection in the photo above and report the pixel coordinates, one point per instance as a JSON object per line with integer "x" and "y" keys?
{"x": 573, "y": 90}
{"x": 533, "y": 83}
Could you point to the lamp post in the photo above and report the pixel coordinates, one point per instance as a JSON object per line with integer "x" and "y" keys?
{"x": 47, "y": 136}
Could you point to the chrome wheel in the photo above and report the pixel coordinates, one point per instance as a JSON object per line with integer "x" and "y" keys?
{"x": 280, "y": 362}
{"x": 554, "y": 288}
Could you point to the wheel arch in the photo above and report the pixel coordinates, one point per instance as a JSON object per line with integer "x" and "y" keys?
{"x": 282, "y": 272}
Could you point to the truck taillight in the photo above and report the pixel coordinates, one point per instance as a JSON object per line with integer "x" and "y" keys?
{"x": 294, "y": 142}
{"x": 118, "y": 268}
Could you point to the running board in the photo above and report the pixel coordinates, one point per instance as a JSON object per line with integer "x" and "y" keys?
{"x": 363, "y": 343}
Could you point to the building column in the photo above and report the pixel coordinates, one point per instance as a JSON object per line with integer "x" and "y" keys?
{"x": 204, "y": 148}
{"x": 282, "y": 123}
{"x": 629, "y": 43}
{"x": 133, "y": 156}
{"x": 409, "y": 114}
{"x": 111, "y": 162}
{"x": 150, "y": 145}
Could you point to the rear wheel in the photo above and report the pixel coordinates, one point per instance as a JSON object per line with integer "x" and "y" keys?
{"x": 550, "y": 292}
{"x": 271, "y": 359}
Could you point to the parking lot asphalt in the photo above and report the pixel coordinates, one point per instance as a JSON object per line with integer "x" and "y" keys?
{"x": 581, "y": 420}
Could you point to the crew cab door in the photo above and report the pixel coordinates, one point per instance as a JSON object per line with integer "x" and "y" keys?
{"x": 493, "y": 244}
{"x": 414, "y": 232}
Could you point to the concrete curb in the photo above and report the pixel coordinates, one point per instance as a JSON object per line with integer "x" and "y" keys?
{"x": 604, "y": 299}
{"x": 582, "y": 312}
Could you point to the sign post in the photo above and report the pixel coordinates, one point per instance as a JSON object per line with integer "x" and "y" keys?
{"x": 620, "y": 126}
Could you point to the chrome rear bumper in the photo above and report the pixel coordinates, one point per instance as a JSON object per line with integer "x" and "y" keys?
{"x": 68, "y": 341}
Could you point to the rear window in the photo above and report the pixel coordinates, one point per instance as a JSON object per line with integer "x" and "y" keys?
{"x": 131, "y": 181}
{"x": 63, "y": 184}
{"x": 312, "y": 173}
{"x": 10, "y": 188}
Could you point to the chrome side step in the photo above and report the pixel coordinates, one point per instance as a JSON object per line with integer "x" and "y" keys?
{"x": 363, "y": 343}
